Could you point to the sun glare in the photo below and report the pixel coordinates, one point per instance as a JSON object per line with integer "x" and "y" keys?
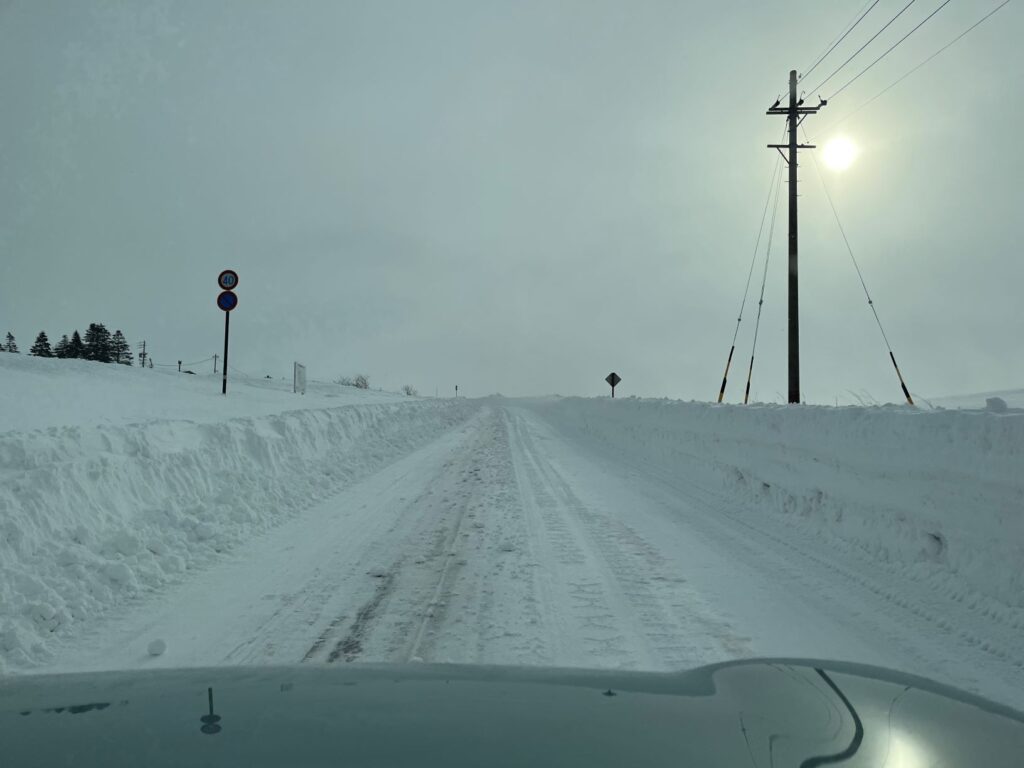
{"x": 839, "y": 154}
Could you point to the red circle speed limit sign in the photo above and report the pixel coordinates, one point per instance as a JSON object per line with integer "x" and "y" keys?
{"x": 228, "y": 280}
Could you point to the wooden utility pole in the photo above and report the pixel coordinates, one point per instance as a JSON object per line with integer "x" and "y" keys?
{"x": 795, "y": 114}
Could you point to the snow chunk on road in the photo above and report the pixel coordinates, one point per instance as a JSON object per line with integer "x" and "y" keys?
{"x": 156, "y": 648}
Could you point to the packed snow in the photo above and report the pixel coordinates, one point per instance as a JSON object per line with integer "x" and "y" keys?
{"x": 169, "y": 526}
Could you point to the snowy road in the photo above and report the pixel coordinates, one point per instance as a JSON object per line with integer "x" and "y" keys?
{"x": 504, "y": 541}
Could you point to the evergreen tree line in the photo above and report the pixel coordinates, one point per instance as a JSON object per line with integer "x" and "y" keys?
{"x": 98, "y": 344}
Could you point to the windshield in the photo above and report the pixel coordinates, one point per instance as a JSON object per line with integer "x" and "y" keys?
{"x": 341, "y": 332}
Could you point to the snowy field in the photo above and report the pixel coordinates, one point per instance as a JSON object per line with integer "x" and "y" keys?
{"x": 349, "y": 526}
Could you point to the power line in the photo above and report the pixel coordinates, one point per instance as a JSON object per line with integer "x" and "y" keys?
{"x": 753, "y": 261}
{"x": 857, "y": 52}
{"x": 860, "y": 276}
{"x": 243, "y": 373}
{"x": 846, "y": 29}
{"x": 890, "y": 50}
{"x": 764, "y": 280}
{"x": 837, "y": 42}
{"x": 912, "y": 71}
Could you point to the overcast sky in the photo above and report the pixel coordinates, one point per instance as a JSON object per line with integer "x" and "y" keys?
{"x": 515, "y": 197}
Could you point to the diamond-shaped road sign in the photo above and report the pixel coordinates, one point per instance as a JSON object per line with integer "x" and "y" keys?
{"x": 613, "y": 378}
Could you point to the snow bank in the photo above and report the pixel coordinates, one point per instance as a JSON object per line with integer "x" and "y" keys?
{"x": 36, "y": 393}
{"x": 940, "y": 494}
{"x": 93, "y": 515}
{"x": 1013, "y": 398}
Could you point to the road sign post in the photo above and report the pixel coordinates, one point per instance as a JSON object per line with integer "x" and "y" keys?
{"x": 226, "y": 301}
{"x": 613, "y": 378}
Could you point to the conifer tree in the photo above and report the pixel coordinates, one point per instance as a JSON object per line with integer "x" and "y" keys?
{"x": 76, "y": 348}
{"x": 60, "y": 349}
{"x": 97, "y": 343}
{"x": 41, "y": 348}
{"x": 120, "y": 351}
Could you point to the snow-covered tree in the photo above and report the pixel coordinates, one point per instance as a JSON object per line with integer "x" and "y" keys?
{"x": 362, "y": 381}
{"x": 60, "y": 349}
{"x": 98, "y": 343}
{"x": 11, "y": 345}
{"x": 120, "y": 351}
{"x": 75, "y": 347}
{"x": 41, "y": 348}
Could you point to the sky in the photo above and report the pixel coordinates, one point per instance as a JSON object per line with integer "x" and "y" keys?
{"x": 513, "y": 197}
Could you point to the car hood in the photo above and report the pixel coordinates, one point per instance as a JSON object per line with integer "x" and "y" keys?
{"x": 769, "y": 712}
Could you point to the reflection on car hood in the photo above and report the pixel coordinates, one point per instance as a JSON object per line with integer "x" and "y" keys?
{"x": 773, "y": 712}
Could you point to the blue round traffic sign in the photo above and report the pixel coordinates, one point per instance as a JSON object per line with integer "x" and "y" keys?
{"x": 227, "y": 301}
{"x": 228, "y": 280}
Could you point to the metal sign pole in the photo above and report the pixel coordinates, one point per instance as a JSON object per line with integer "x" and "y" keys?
{"x": 227, "y": 301}
{"x": 613, "y": 379}
{"x": 224, "y": 381}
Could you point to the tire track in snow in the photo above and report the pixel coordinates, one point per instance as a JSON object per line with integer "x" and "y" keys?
{"x": 483, "y": 607}
{"x": 350, "y": 646}
{"x": 635, "y": 595}
{"x": 872, "y": 607}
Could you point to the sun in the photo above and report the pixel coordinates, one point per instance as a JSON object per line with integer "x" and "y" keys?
{"x": 839, "y": 153}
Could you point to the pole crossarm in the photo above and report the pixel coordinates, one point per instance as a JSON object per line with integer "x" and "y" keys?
{"x": 798, "y": 111}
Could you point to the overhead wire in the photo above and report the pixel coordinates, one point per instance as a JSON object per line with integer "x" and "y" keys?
{"x": 893, "y": 47}
{"x": 764, "y": 280}
{"x": 860, "y": 275}
{"x": 903, "y": 77}
{"x": 750, "y": 273}
{"x": 243, "y": 373}
{"x": 856, "y": 53}
{"x": 194, "y": 362}
{"x": 839, "y": 40}
{"x": 846, "y": 30}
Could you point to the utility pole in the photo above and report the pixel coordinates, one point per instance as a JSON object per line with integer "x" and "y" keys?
{"x": 215, "y": 363}
{"x": 142, "y": 356}
{"x": 795, "y": 114}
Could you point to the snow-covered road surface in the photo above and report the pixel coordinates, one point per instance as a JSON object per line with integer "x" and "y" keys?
{"x": 508, "y": 541}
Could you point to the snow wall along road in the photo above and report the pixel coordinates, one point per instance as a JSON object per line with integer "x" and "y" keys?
{"x": 93, "y": 515}
{"x": 934, "y": 496}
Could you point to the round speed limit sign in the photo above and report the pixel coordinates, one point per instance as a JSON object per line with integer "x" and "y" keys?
{"x": 228, "y": 280}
